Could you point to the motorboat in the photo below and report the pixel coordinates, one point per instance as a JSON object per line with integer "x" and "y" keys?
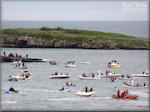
{"x": 14, "y": 78}
{"x": 129, "y": 85}
{"x": 59, "y": 76}
{"x": 144, "y": 74}
{"x": 14, "y": 62}
{"x": 24, "y": 76}
{"x": 122, "y": 77}
{"x": 70, "y": 65}
{"x": 65, "y": 90}
{"x": 113, "y": 64}
{"x": 85, "y": 94}
{"x": 109, "y": 75}
{"x": 53, "y": 62}
{"x": 89, "y": 77}
{"x": 126, "y": 97}
{"x": 85, "y": 62}
{"x": 21, "y": 66}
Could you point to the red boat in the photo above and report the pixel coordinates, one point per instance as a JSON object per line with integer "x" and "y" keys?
{"x": 53, "y": 62}
{"x": 126, "y": 97}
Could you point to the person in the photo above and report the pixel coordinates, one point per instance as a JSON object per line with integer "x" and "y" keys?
{"x": 122, "y": 76}
{"x": 71, "y": 83}
{"x": 83, "y": 75}
{"x": 112, "y": 79}
{"x": 68, "y": 86}
{"x": 126, "y": 93}
{"x": 123, "y": 94}
{"x": 66, "y": 82}
{"x": 106, "y": 72}
{"x": 144, "y": 84}
{"x": 12, "y": 89}
{"x": 26, "y": 55}
{"x": 62, "y": 88}
{"x": 86, "y": 89}
{"x": 9, "y": 76}
{"x": 27, "y": 76}
{"x": 56, "y": 73}
{"x": 114, "y": 71}
{"x": 91, "y": 89}
{"x": 4, "y": 53}
{"x": 118, "y": 93}
{"x": 132, "y": 81}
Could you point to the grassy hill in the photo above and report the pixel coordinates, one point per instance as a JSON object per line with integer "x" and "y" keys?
{"x": 77, "y": 38}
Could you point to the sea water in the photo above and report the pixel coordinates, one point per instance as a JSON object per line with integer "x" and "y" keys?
{"x": 42, "y": 93}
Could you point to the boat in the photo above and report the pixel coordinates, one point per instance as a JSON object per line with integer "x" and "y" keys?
{"x": 14, "y": 78}
{"x": 125, "y": 78}
{"x": 65, "y": 90}
{"x": 109, "y": 75}
{"x": 85, "y": 94}
{"x": 126, "y": 97}
{"x": 89, "y": 77}
{"x": 129, "y": 85}
{"x": 16, "y": 62}
{"x": 144, "y": 74}
{"x": 21, "y": 66}
{"x": 24, "y": 76}
{"x": 70, "y": 64}
{"x": 53, "y": 62}
{"x": 113, "y": 64}
{"x": 60, "y": 76}
{"x": 85, "y": 62}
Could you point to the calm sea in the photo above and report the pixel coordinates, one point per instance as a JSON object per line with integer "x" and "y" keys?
{"x": 41, "y": 93}
{"x": 132, "y": 28}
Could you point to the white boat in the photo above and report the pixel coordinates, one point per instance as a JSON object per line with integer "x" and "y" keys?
{"x": 113, "y": 64}
{"x": 89, "y": 77}
{"x": 129, "y": 85}
{"x": 85, "y": 94}
{"x": 60, "y": 76}
{"x": 109, "y": 75}
{"x": 65, "y": 90}
{"x": 86, "y": 62}
{"x": 21, "y": 66}
{"x": 25, "y": 76}
{"x": 16, "y": 62}
{"x": 70, "y": 65}
{"x": 144, "y": 74}
{"x": 14, "y": 78}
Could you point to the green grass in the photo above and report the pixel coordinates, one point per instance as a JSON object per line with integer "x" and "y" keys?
{"x": 78, "y": 36}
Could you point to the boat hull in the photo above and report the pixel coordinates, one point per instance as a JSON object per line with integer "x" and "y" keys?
{"x": 89, "y": 78}
{"x": 85, "y": 94}
{"x": 59, "y": 76}
{"x": 128, "y": 97}
{"x": 114, "y": 66}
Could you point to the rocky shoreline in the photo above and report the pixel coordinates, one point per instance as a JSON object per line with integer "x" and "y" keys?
{"x": 14, "y": 41}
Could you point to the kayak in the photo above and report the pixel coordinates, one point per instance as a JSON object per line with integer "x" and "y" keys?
{"x": 85, "y": 94}
{"x": 10, "y": 92}
{"x": 126, "y": 97}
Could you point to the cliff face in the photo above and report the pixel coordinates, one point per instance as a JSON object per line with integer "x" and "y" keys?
{"x": 29, "y": 42}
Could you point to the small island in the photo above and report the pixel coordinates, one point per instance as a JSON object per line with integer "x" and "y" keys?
{"x": 70, "y": 38}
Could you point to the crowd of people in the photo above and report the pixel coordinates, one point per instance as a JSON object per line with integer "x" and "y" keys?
{"x": 14, "y": 55}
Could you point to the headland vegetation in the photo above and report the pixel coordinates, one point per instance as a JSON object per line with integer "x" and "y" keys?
{"x": 69, "y": 38}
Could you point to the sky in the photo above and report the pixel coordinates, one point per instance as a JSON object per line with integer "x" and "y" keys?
{"x": 84, "y": 10}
